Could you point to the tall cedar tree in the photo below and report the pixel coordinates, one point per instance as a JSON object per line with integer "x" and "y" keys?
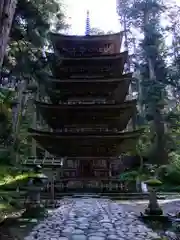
{"x": 144, "y": 16}
{"x": 28, "y": 37}
{"x": 7, "y": 9}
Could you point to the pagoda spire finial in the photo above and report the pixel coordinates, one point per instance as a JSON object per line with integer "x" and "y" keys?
{"x": 87, "y": 30}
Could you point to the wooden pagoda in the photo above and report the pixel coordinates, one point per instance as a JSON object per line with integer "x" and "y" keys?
{"x": 86, "y": 110}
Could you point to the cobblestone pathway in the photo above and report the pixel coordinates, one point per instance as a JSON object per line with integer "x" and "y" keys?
{"x": 91, "y": 219}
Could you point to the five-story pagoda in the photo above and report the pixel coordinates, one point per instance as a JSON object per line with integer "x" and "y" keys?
{"x": 87, "y": 111}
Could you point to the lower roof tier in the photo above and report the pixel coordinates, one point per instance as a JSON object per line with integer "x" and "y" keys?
{"x": 111, "y": 89}
{"x": 110, "y": 115}
{"x": 79, "y": 144}
{"x": 106, "y": 66}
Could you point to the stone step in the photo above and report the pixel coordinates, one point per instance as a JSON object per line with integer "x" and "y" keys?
{"x": 100, "y": 195}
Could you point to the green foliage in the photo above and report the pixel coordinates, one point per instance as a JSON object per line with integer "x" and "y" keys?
{"x": 28, "y": 38}
{"x": 128, "y": 176}
{"x": 153, "y": 73}
{"x": 170, "y": 174}
{"x": 153, "y": 182}
{"x": 145, "y": 141}
{"x": 131, "y": 176}
{"x": 5, "y": 157}
{"x": 6, "y": 98}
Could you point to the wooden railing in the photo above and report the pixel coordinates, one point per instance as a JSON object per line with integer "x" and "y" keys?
{"x": 52, "y": 160}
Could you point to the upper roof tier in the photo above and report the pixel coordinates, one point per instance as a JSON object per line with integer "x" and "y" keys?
{"x": 110, "y": 89}
{"x": 93, "y": 67}
{"x": 86, "y": 46}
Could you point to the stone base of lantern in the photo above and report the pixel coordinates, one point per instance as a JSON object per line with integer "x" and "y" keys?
{"x": 155, "y": 217}
{"x": 154, "y": 211}
{"x": 34, "y": 211}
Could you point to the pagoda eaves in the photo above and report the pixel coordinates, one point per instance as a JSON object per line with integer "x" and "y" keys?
{"x": 101, "y": 66}
{"x": 80, "y": 144}
{"x": 111, "y": 89}
{"x": 113, "y": 116}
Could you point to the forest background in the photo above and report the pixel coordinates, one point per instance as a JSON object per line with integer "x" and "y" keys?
{"x": 152, "y": 37}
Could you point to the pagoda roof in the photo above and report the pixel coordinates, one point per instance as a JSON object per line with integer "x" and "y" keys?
{"x": 106, "y": 58}
{"x": 85, "y": 38}
{"x": 109, "y": 115}
{"x": 112, "y": 89}
{"x": 100, "y": 58}
{"x": 107, "y": 65}
{"x": 88, "y": 80}
{"x": 86, "y": 45}
{"x": 82, "y": 144}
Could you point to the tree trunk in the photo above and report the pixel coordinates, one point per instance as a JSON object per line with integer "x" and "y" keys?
{"x": 159, "y": 154}
{"x": 128, "y": 67}
{"x": 7, "y": 10}
{"x": 20, "y": 107}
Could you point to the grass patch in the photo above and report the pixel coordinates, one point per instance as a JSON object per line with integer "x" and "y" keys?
{"x": 11, "y": 178}
{"x": 10, "y": 175}
{"x": 5, "y": 207}
{"x": 5, "y": 210}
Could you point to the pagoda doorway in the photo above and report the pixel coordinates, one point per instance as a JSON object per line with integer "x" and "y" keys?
{"x": 87, "y": 173}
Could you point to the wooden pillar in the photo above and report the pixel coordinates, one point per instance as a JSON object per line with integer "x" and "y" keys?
{"x": 52, "y": 186}
{"x": 110, "y": 168}
{"x": 110, "y": 173}
{"x": 47, "y": 155}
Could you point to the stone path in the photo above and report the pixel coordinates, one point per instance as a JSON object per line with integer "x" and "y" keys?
{"x": 91, "y": 219}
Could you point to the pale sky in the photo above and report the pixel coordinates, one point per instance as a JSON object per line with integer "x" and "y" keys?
{"x": 102, "y": 15}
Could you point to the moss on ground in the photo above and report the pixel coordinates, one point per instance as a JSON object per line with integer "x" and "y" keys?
{"x": 10, "y": 179}
{"x": 5, "y": 207}
{"x": 6, "y": 210}
{"x": 9, "y": 175}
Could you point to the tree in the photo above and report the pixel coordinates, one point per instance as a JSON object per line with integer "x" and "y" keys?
{"x": 7, "y": 10}
{"x": 144, "y": 16}
{"x": 173, "y": 28}
{"x": 96, "y": 31}
{"x": 29, "y": 37}
{"x": 156, "y": 76}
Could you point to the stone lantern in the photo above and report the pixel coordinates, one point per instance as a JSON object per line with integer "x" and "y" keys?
{"x": 36, "y": 184}
{"x": 153, "y": 206}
